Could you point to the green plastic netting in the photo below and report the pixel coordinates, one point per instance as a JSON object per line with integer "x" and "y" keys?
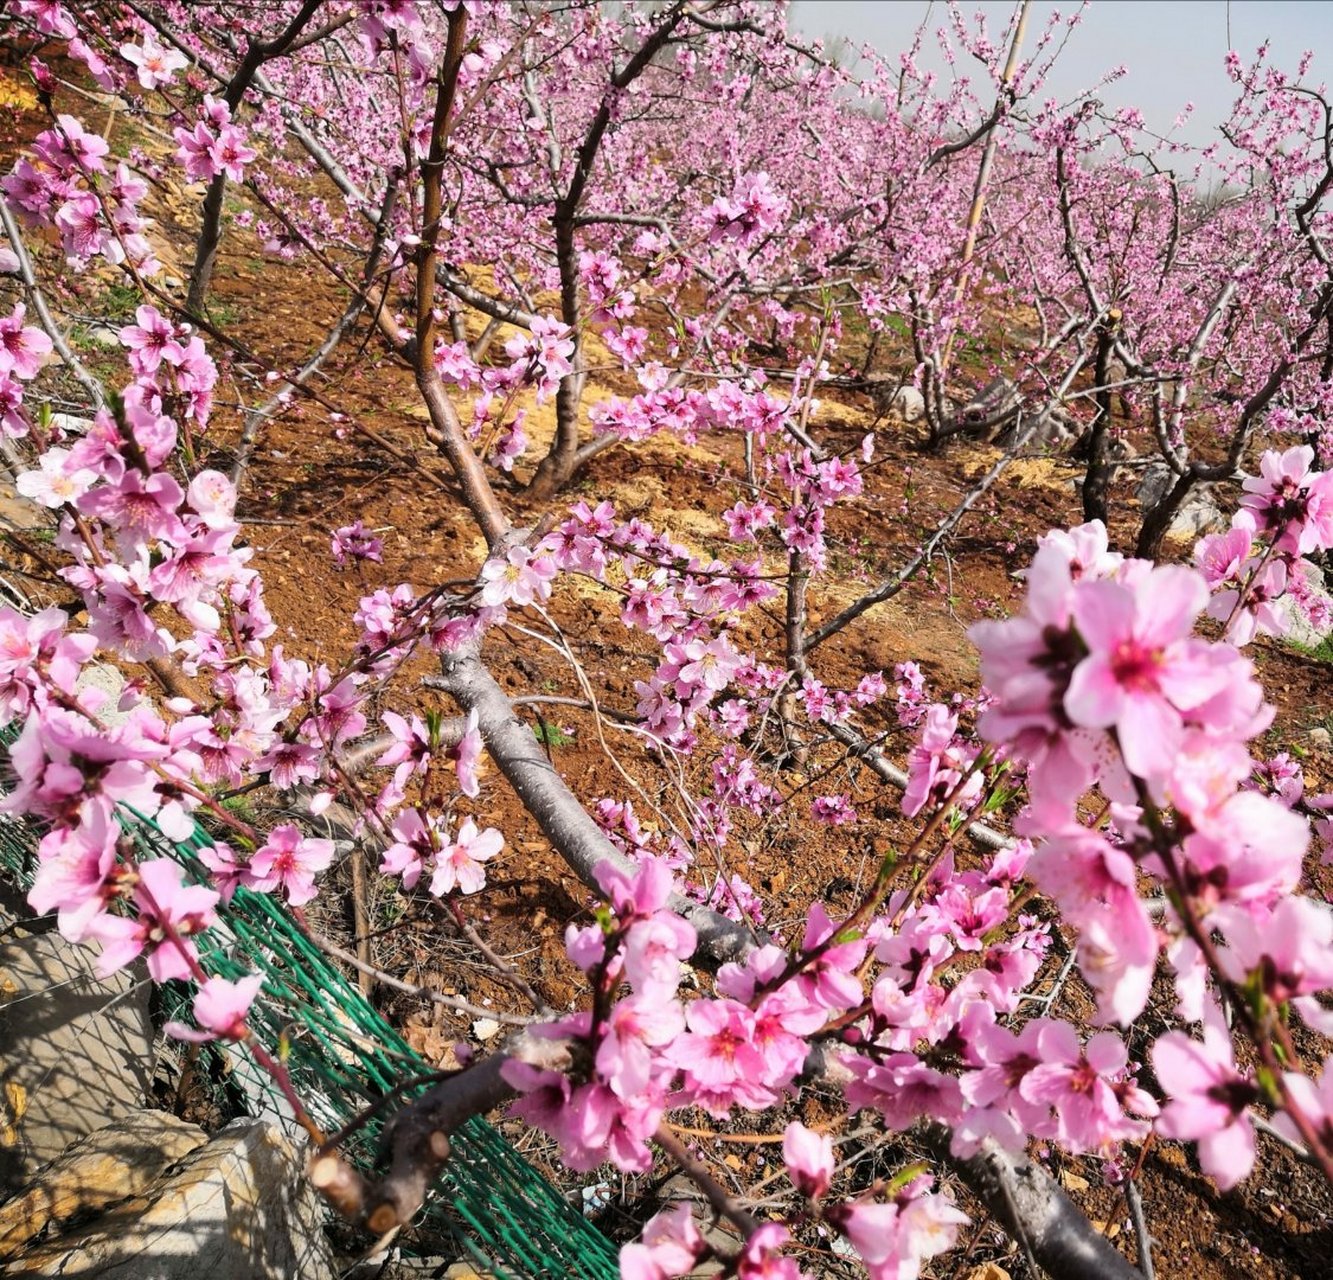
{"x": 342, "y": 1056}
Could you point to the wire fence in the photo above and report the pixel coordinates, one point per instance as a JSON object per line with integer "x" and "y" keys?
{"x": 343, "y": 1057}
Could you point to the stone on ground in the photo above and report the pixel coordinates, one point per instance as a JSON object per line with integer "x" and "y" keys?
{"x": 110, "y": 1165}
{"x": 240, "y": 1205}
{"x": 77, "y": 1050}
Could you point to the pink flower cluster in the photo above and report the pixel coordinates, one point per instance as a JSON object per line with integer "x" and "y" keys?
{"x": 543, "y": 357}
{"x": 1258, "y": 571}
{"x": 220, "y": 1009}
{"x": 614, "y": 1113}
{"x": 754, "y": 209}
{"x": 1101, "y": 682}
{"x": 421, "y": 842}
{"x": 214, "y": 147}
{"x": 173, "y": 369}
{"x": 940, "y": 766}
{"x": 288, "y": 860}
{"x": 669, "y": 593}
{"x": 355, "y": 542}
{"x": 687, "y": 412}
{"x": 63, "y": 182}
{"x": 745, "y": 1046}
{"x": 1100, "y": 685}
{"x": 23, "y": 349}
{"x": 893, "y": 1237}
{"x": 142, "y": 547}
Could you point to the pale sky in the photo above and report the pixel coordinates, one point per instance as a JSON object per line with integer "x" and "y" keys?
{"x": 1174, "y": 49}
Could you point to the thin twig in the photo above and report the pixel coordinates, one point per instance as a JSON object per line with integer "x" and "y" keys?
{"x": 257, "y": 417}
{"x": 723, "y": 1205}
{"x": 361, "y": 921}
{"x": 497, "y": 962}
{"x": 455, "y": 1003}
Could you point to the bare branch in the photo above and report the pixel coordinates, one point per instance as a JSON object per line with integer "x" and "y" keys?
{"x": 1141, "y": 1234}
{"x": 257, "y": 417}
{"x": 454, "y": 1003}
{"x": 722, "y": 1203}
{"x": 892, "y": 585}
{"x": 417, "y": 1138}
{"x": 497, "y": 308}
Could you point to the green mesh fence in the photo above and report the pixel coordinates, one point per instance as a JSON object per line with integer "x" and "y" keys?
{"x": 343, "y": 1056}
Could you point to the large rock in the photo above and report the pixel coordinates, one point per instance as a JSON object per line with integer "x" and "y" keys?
{"x": 77, "y": 1050}
{"x": 1198, "y": 515}
{"x": 237, "y": 1208}
{"x": 1297, "y": 628}
{"x": 894, "y": 400}
{"x": 908, "y": 404}
{"x": 119, "y": 1161}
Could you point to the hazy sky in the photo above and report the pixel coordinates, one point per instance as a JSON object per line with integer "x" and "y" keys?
{"x": 1174, "y": 49}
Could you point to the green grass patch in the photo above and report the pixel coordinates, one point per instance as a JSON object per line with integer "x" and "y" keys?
{"x": 1321, "y": 652}
{"x": 223, "y": 313}
{"x": 551, "y": 735}
{"x": 119, "y": 302}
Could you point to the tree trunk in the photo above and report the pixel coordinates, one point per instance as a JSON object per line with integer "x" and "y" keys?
{"x": 1158, "y": 519}
{"x": 557, "y": 469}
{"x": 206, "y": 247}
{"x": 1097, "y": 478}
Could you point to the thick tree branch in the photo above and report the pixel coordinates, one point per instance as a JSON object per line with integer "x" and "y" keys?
{"x": 1033, "y": 1209}
{"x": 557, "y": 810}
{"x": 417, "y": 1139}
{"x": 1018, "y": 1193}
{"x": 452, "y": 440}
